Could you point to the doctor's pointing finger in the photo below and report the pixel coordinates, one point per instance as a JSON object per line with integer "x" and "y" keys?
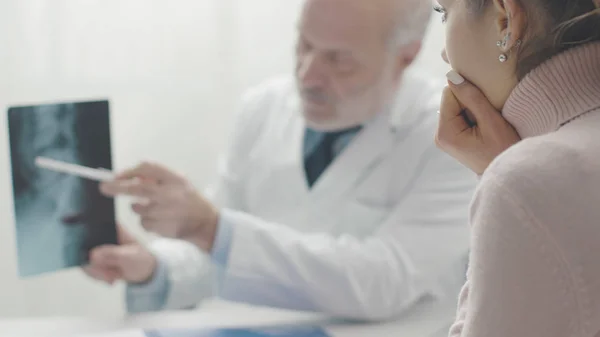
{"x": 170, "y": 206}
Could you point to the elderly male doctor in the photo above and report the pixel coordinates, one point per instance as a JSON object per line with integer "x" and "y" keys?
{"x": 332, "y": 196}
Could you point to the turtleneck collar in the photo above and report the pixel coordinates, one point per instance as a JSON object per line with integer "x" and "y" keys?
{"x": 556, "y": 92}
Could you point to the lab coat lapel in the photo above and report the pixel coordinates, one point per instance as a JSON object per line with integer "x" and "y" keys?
{"x": 290, "y": 156}
{"x": 363, "y": 153}
{"x": 355, "y": 162}
{"x": 370, "y": 146}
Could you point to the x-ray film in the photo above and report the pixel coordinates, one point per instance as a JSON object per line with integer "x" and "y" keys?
{"x": 59, "y": 217}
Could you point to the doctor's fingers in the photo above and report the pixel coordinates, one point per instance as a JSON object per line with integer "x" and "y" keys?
{"x": 153, "y": 209}
{"x": 136, "y": 188}
{"x": 124, "y": 236}
{"x": 129, "y": 262}
{"x": 114, "y": 256}
{"x": 151, "y": 171}
{"x": 105, "y": 274}
{"x": 104, "y": 256}
{"x": 161, "y": 226}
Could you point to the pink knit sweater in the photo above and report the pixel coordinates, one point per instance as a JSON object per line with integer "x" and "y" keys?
{"x": 535, "y": 260}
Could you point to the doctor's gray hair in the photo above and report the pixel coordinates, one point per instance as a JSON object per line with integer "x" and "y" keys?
{"x": 411, "y": 21}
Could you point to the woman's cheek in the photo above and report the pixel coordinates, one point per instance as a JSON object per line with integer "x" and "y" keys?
{"x": 454, "y": 47}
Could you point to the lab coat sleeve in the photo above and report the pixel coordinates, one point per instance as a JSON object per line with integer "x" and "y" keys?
{"x": 185, "y": 276}
{"x": 150, "y": 296}
{"x": 222, "y": 243}
{"x": 410, "y": 257}
{"x": 194, "y": 282}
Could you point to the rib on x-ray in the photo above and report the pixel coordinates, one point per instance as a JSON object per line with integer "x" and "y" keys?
{"x": 59, "y": 218}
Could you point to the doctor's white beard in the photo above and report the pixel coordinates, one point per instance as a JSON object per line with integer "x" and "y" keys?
{"x": 371, "y": 100}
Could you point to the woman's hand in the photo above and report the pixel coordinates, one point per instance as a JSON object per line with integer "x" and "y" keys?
{"x": 471, "y": 130}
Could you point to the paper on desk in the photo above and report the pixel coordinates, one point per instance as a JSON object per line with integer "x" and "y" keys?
{"x": 297, "y": 331}
{"x": 283, "y": 331}
{"x": 124, "y": 333}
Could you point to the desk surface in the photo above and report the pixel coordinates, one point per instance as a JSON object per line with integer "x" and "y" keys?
{"x": 215, "y": 314}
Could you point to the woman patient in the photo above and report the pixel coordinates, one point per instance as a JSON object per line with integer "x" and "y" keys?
{"x": 527, "y": 73}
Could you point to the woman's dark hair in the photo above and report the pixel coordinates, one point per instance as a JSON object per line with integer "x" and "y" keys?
{"x": 554, "y": 26}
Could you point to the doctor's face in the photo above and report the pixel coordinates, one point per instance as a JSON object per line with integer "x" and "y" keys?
{"x": 345, "y": 68}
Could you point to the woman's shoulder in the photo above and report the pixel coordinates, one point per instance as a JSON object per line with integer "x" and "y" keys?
{"x": 552, "y": 180}
{"x": 538, "y": 163}
{"x": 545, "y": 176}
{"x": 547, "y": 187}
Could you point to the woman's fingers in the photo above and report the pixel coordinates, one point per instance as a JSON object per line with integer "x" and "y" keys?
{"x": 477, "y": 145}
{"x": 452, "y": 122}
{"x": 472, "y": 99}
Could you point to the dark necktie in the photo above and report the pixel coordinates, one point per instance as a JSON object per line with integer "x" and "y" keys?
{"x": 321, "y": 157}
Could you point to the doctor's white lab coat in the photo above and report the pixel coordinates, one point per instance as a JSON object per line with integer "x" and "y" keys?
{"x": 384, "y": 228}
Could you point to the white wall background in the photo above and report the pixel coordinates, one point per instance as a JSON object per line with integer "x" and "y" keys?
{"x": 173, "y": 70}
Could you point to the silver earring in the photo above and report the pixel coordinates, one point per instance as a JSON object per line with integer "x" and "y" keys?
{"x": 502, "y": 45}
{"x": 518, "y": 43}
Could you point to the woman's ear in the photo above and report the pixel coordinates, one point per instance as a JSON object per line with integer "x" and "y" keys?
{"x": 511, "y": 20}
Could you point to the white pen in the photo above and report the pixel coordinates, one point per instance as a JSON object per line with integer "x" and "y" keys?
{"x": 74, "y": 169}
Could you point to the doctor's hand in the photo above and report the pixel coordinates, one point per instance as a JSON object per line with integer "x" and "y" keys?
{"x": 128, "y": 261}
{"x": 474, "y": 144}
{"x": 170, "y": 205}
